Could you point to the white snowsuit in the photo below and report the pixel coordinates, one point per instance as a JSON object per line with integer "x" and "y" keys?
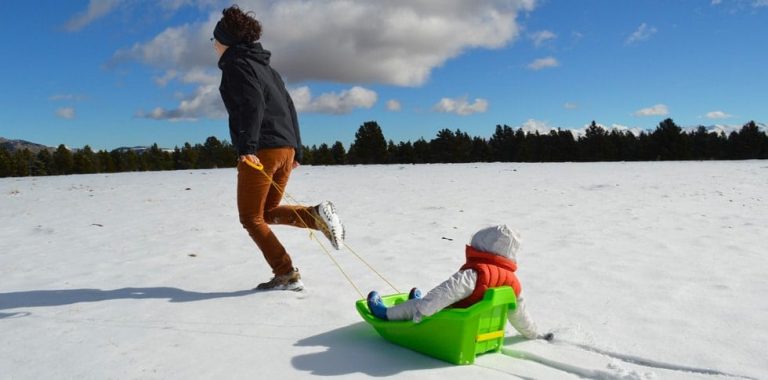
{"x": 499, "y": 240}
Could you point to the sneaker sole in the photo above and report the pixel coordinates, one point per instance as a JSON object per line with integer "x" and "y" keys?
{"x": 327, "y": 211}
{"x": 296, "y": 286}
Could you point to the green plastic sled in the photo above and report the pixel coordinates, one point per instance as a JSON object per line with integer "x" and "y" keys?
{"x": 453, "y": 335}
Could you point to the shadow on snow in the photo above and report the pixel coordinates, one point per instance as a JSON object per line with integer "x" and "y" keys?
{"x": 44, "y": 298}
{"x": 359, "y": 349}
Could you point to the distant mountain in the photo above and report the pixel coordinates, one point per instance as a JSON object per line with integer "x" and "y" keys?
{"x": 135, "y": 149}
{"x": 14, "y": 145}
{"x": 725, "y": 130}
{"x": 544, "y": 128}
{"x": 140, "y": 149}
{"x": 720, "y": 129}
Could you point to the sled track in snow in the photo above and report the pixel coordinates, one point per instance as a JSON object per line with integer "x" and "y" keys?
{"x": 605, "y": 375}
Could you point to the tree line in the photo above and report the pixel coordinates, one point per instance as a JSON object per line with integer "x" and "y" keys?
{"x": 667, "y": 142}
{"x": 63, "y": 161}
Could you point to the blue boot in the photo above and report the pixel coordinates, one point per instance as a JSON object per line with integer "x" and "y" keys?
{"x": 414, "y": 294}
{"x": 377, "y": 305}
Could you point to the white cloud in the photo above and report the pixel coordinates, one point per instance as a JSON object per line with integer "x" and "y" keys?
{"x": 394, "y": 105}
{"x": 622, "y": 128}
{"x": 724, "y": 129}
{"x": 96, "y": 9}
{"x": 185, "y": 47}
{"x": 718, "y": 115}
{"x": 657, "y": 110}
{"x": 741, "y": 5}
{"x": 543, "y": 63}
{"x": 205, "y": 102}
{"x": 533, "y": 125}
{"x": 66, "y": 113}
{"x": 332, "y": 103}
{"x": 177, "y": 4}
{"x": 460, "y": 106}
{"x": 614, "y": 127}
{"x": 397, "y": 43}
{"x": 169, "y": 75}
{"x": 570, "y": 106}
{"x": 642, "y": 33}
{"x": 541, "y": 37}
{"x": 367, "y": 42}
{"x": 100, "y": 8}
{"x": 68, "y": 97}
{"x": 201, "y": 76}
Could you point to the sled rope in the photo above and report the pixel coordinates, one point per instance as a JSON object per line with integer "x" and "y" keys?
{"x": 313, "y": 236}
{"x": 370, "y": 267}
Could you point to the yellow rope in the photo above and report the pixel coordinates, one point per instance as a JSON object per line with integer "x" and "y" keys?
{"x": 330, "y": 256}
{"x": 370, "y": 267}
{"x": 312, "y": 235}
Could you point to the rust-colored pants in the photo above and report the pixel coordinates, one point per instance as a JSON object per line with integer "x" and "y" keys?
{"x": 258, "y": 203}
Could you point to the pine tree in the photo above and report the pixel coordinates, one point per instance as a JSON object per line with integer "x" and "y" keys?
{"x": 529, "y": 147}
{"x": 421, "y": 151}
{"x": 208, "y": 153}
{"x": 668, "y": 141}
{"x": 187, "y": 157}
{"x": 406, "y": 153}
{"x": 746, "y": 143}
{"x": 443, "y": 147}
{"x": 309, "y": 155}
{"x": 548, "y": 147}
{"x": 705, "y": 145}
{"x": 227, "y": 156}
{"x": 129, "y": 161}
{"x": 323, "y": 155}
{"x": 6, "y": 166}
{"x": 480, "y": 152}
{"x": 566, "y": 147}
{"x": 593, "y": 143}
{"x": 614, "y": 146}
{"x": 338, "y": 153}
{"x": 83, "y": 161}
{"x": 43, "y": 163}
{"x": 517, "y": 144}
{"x": 503, "y": 144}
{"x": 156, "y": 159}
{"x": 369, "y": 147}
{"x": 63, "y": 163}
{"x": 462, "y": 147}
{"x": 106, "y": 163}
{"x": 22, "y": 163}
{"x": 393, "y": 155}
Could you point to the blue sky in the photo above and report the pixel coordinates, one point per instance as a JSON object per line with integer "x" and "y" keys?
{"x": 111, "y": 73}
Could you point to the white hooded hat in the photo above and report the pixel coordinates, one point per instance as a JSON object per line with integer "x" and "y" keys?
{"x": 499, "y": 240}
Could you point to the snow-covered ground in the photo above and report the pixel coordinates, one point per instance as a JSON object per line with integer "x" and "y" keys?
{"x": 643, "y": 270}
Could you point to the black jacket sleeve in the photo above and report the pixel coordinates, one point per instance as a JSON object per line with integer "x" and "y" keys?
{"x": 299, "y": 147}
{"x": 247, "y": 105}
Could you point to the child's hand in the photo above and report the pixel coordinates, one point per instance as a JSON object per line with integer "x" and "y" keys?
{"x": 548, "y": 336}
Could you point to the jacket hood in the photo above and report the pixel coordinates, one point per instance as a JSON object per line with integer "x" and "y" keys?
{"x": 252, "y": 51}
{"x": 499, "y": 240}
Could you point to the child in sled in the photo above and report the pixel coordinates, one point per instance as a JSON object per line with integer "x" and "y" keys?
{"x": 491, "y": 262}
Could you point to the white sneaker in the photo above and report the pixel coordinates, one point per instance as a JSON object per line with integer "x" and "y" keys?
{"x": 331, "y": 225}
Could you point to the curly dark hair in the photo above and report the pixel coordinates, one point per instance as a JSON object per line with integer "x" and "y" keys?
{"x": 242, "y": 25}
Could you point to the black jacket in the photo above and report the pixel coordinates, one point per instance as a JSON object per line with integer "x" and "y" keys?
{"x": 261, "y": 112}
